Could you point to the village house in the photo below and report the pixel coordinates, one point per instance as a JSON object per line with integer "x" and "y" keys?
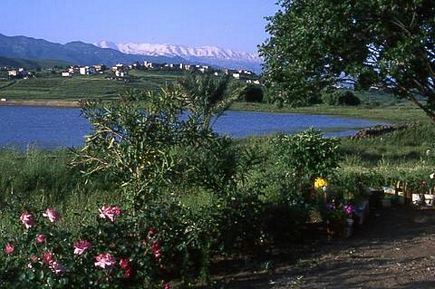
{"x": 66, "y": 74}
{"x": 148, "y": 65}
{"x": 87, "y": 70}
{"x": 99, "y": 67}
{"x": 121, "y": 73}
{"x": 185, "y": 66}
{"x": 18, "y": 73}
{"x": 119, "y": 66}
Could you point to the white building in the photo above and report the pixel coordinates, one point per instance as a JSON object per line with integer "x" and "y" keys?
{"x": 87, "y": 70}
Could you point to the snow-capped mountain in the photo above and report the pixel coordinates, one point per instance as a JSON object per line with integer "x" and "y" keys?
{"x": 205, "y": 54}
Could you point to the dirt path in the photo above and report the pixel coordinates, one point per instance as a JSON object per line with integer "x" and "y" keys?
{"x": 395, "y": 249}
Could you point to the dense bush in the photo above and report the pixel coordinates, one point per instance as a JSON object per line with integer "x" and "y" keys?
{"x": 340, "y": 97}
{"x": 252, "y": 93}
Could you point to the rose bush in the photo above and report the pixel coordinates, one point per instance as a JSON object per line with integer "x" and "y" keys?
{"x": 112, "y": 253}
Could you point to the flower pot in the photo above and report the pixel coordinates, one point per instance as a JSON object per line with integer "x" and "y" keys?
{"x": 336, "y": 228}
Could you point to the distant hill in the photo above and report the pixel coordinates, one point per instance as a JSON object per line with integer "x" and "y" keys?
{"x": 77, "y": 52}
{"x": 31, "y": 64}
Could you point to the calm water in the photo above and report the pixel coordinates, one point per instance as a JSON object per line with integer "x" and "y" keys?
{"x": 23, "y": 126}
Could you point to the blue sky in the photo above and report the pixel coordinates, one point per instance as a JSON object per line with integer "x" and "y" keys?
{"x": 234, "y": 24}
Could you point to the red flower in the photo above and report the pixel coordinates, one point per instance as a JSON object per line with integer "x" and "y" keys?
{"x": 128, "y": 273}
{"x": 124, "y": 264}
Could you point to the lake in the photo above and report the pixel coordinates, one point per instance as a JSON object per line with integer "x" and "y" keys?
{"x": 50, "y": 128}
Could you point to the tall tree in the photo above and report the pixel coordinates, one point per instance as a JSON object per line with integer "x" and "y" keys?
{"x": 388, "y": 43}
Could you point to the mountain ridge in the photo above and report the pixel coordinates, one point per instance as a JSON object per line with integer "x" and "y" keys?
{"x": 208, "y": 54}
{"x": 76, "y": 52}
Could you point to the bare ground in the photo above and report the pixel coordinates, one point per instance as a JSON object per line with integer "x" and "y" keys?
{"x": 394, "y": 249}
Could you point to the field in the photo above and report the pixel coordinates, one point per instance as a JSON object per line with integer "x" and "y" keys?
{"x": 54, "y": 86}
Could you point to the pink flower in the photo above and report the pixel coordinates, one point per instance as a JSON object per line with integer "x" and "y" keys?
{"x": 81, "y": 246}
{"x": 40, "y": 238}
{"x": 52, "y": 215}
{"x": 104, "y": 260}
{"x": 27, "y": 219}
{"x": 9, "y": 248}
{"x": 48, "y": 258}
{"x": 156, "y": 249}
{"x": 166, "y": 286}
{"x": 348, "y": 209}
{"x": 109, "y": 212}
{"x": 56, "y": 267}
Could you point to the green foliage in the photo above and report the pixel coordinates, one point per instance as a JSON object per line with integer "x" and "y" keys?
{"x": 340, "y": 97}
{"x": 386, "y": 43}
{"x": 308, "y": 154}
{"x": 148, "y": 143}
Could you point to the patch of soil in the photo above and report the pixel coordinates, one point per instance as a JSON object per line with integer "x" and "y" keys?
{"x": 394, "y": 249}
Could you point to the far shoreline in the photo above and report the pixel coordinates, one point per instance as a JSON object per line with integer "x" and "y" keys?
{"x": 41, "y": 102}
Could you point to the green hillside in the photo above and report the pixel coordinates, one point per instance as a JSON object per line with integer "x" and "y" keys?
{"x": 54, "y": 86}
{"x": 31, "y": 64}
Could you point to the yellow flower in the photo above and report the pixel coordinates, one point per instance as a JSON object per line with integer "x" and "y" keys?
{"x": 320, "y": 183}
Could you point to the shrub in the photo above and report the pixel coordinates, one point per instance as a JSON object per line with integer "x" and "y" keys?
{"x": 340, "y": 97}
{"x": 252, "y": 93}
{"x": 307, "y": 155}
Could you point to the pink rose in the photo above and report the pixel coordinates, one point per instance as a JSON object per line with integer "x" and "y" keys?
{"x": 105, "y": 260}
{"x": 81, "y": 246}
{"x": 9, "y": 248}
{"x": 109, "y": 213}
{"x": 48, "y": 258}
{"x": 27, "y": 219}
{"x": 40, "y": 238}
{"x": 52, "y": 215}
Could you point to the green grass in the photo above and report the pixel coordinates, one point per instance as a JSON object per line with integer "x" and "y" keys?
{"x": 41, "y": 179}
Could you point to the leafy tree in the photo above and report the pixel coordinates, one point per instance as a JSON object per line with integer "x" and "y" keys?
{"x": 389, "y": 43}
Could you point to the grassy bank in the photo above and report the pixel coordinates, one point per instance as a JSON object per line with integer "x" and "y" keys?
{"x": 393, "y": 113}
